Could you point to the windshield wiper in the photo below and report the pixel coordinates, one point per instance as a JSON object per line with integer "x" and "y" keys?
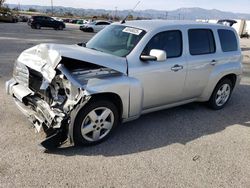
{"x": 96, "y": 49}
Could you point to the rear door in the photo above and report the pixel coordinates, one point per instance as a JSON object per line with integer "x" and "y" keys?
{"x": 201, "y": 60}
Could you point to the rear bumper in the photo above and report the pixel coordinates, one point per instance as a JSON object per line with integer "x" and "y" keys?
{"x": 238, "y": 79}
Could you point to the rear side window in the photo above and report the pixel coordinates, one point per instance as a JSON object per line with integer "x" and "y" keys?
{"x": 169, "y": 41}
{"x": 201, "y": 41}
{"x": 102, "y": 23}
{"x": 228, "y": 40}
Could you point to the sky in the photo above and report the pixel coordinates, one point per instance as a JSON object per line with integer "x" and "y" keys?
{"x": 242, "y": 6}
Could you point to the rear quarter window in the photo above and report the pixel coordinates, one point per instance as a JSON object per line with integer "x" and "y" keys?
{"x": 228, "y": 40}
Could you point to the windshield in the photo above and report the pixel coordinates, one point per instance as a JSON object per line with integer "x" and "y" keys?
{"x": 116, "y": 40}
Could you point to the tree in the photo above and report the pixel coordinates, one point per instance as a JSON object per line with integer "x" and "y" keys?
{"x": 130, "y": 17}
{"x": 68, "y": 14}
{"x": 16, "y": 9}
{"x": 31, "y": 9}
{"x": 2, "y": 2}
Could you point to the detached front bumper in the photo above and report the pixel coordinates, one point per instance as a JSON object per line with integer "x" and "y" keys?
{"x": 40, "y": 114}
{"x": 35, "y": 109}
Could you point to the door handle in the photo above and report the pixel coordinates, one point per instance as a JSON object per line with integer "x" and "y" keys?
{"x": 213, "y": 62}
{"x": 176, "y": 68}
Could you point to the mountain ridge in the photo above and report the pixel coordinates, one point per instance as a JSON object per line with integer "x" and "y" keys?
{"x": 181, "y": 13}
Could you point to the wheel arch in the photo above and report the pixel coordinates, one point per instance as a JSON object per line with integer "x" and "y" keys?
{"x": 207, "y": 93}
{"x": 112, "y": 97}
{"x": 232, "y": 77}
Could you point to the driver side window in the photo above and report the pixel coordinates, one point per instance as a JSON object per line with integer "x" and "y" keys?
{"x": 169, "y": 41}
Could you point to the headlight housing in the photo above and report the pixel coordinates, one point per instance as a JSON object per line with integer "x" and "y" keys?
{"x": 21, "y": 74}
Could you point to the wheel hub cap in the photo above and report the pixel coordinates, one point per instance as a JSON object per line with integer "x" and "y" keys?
{"x": 223, "y": 94}
{"x": 97, "y": 124}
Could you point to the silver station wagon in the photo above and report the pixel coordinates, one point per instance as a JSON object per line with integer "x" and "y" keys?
{"x": 82, "y": 92}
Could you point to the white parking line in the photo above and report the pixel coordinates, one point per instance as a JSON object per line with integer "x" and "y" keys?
{"x": 22, "y": 39}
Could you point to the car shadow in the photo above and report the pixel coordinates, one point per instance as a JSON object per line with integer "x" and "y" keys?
{"x": 177, "y": 125}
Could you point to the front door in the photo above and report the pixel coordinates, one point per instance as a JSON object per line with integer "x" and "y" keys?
{"x": 163, "y": 82}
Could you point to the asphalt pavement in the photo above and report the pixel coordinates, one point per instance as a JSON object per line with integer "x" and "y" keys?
{"x": 187, "y": 146}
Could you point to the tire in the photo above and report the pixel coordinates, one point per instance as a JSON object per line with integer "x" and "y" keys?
{"x": 38, "y": 26}
{"x": 60, "y": 27}
{"x": 90, "y": 128}
{"x": 91, "y": 30}
{"x": 221, "y": 94}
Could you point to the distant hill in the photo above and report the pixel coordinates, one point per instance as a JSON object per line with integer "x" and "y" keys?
{"x": 182, "y": 13}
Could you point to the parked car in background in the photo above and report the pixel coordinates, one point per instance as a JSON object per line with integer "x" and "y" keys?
{"x": 245, "y": 35}
{"x": 8, "y": 17}
{"x": 82, "y": 92}
{"x": 80, "y": 22}
{"x": 37, "y": 22}
{"x": 23, "y": 18}
{"x": 94, "y": 26}
{"x": 66, "y": 20}
{"x": 73, "y": 21}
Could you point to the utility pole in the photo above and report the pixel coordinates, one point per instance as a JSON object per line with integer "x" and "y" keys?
{"x": 115, "y": 13}
{"x": 19, "y": 6}
{"x": 52, "y": 8}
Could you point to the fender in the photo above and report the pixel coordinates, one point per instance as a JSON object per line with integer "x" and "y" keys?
{"x": 229, "y": 68}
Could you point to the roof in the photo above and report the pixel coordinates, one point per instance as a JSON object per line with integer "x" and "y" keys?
{"x": 149, "y": 25}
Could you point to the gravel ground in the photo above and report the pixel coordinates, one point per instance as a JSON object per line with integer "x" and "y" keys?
{"x": 188, "y": 146}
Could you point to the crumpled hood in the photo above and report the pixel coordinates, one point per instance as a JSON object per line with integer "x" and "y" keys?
{"x": 44, "y": 58}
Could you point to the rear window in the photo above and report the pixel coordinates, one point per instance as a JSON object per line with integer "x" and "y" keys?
{"x": 201, "y": 41}
{"x": 228, "y": 40}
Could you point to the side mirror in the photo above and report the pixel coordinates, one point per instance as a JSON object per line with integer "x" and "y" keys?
{"x": 160, "y": 55}
{"x": 155, "y": 55}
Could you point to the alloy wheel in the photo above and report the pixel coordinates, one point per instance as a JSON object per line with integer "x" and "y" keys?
{"x": 97, "y": 124}
{"x": 223, "y": 94}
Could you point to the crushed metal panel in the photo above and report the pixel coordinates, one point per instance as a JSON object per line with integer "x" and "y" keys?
{"x": 21, "y": 91}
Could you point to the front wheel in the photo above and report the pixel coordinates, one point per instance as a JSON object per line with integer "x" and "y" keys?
{"x": 221, "y": 94}
{"x": 91, "y": 30}
{"x": 95, "y": 122}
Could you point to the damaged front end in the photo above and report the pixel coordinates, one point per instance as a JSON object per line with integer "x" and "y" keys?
{"x": 47, "y": 105}
{"x": 47, "y": 94}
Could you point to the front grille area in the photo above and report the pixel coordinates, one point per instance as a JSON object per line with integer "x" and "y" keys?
{"x": 31, "y": 79}
{"x": 28, "y": 77}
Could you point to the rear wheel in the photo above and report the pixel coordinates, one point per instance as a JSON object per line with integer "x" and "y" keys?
{"x": 38, "y": 26}
{"x": 95, "y": 122}
{"x": 60, "y": 27}
{"x": 221, "y": 94}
